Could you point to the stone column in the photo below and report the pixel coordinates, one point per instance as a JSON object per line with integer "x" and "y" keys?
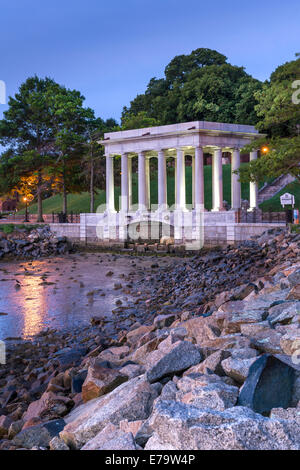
{"x": 199, "y": 178}
{"x": 162, "y": 180}
{"x": 166, "y": 182}
{"x": 217, "y": 185}
{"x": 175, "y": 180}
{"x": 253, "y": 186}
{"x": 147, "y": 169}
{"x": 124, "y": 183}
{"x": 110, "y": 190}
{"x": 129, "y": 183}
{"x": 142, "y": 182}
{"x": 193, "y": 181}
{"x": 236, "y": 197}
{"x": 180, "y": 180}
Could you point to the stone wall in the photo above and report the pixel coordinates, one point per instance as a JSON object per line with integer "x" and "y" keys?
{"x": 219, "y": 229}
{"x": 71, "y": 231}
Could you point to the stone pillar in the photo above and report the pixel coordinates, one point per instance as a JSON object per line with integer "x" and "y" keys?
{"x": 162, "y": 180}
{"x": 199, "y": 178}
{"x": 129, "y": 183}
{"x": 236, "y": 198}
{"x": 217, "y": 177}
{"x": 193, "y": 181}
{"x": 166, "y": 182}
{"x": 180, "y": 180}
{"x": 142, "y": 182}
{"x": 124, "y": 183}
{"x": 253, "y": 187}
{"x": 147, "y": 169}
{"x": 175, "y": 180}
{"x": 110, "y": 190}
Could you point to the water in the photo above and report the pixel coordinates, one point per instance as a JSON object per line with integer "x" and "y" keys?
{"x": 54, "y": 292}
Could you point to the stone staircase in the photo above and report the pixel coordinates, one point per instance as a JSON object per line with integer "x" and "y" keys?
{"x": 269, "y": 190}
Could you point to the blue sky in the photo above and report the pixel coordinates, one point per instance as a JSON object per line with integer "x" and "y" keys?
{"x": 110, "y": 50}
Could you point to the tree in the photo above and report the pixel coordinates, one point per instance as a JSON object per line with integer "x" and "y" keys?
{"x": 198, "y": 86}
{"x": 69, "y": 120}
{"x": 27, "y": 132}
{"x": 138, "y": 121}
{"x": 44, "y": 129}
{"x": 280, "y": 120}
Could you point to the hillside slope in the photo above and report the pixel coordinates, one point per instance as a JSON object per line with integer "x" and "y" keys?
{"x": 79, "y": 203}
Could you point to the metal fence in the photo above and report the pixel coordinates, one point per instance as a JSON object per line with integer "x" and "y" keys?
{"x": 53, "y": 218}
{"x": 62, "y": 218}
{"x": 258, "y": 216}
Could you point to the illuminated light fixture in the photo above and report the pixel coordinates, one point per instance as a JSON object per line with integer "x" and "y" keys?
{"x": 265, "y": 149}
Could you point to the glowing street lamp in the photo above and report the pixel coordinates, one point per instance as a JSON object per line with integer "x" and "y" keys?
{"x": 265, "y": 150}
{"x": 25, "y": 199}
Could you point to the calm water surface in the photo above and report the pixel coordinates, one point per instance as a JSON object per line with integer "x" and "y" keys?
{"x": 55, "y": 292}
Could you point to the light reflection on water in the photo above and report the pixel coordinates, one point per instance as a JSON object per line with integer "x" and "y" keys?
{"x": 64, "y": 302}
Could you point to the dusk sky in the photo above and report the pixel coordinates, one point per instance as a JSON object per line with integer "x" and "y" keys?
{"x": 110, "y": 50}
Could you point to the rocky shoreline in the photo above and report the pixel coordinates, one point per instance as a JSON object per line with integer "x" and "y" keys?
{"x": 32, "y": 242}
{"x": 208, "y": 358}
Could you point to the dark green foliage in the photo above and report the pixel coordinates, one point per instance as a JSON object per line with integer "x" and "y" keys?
{"x": 198, "y": 86}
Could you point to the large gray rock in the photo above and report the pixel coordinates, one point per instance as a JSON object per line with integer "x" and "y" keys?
{"x": 290, "y": 343}
{"x": 269, "y": 385}
{"x": 5, "y": 423}
{"x": 163, "y": 321}
{"x": 237, "y": 369}
{"x": 294, "y": 278}
{"x": 39, "y": 435}
{"x": 290, "y": 414}
{"x": 286, "y": 312}
{"x": 111, "y": 438}
{"x": 206, "y": 391}
{"x": 57, "y": 444}
{"x": 182, "y": 356}
{"x": 100, "y": 380}
{"x": 184, "y": 427}
{"x": 132, "y": 400}
{"x": 212, "y": 364}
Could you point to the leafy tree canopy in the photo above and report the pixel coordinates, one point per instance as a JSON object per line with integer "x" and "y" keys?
{"x": 280, "y": 119}
{"x": 198, "y": 86}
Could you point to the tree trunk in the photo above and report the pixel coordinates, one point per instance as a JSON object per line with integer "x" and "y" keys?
{"x": 64, "y": 198}
{"x": 92, "y": 201}
{"x": 64, "y": 192}
{"x": 39, "y": 197}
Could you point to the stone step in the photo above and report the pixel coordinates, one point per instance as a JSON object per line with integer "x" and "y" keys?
{"x": 267, "y": 192}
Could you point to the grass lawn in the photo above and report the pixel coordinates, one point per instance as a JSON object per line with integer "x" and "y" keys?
{"x": 273, "y": 204}
{"x": 79, "y": 203}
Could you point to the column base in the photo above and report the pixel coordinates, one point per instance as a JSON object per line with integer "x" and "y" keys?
{"x": 109, "y": 212}
{"x": 141, "y": 212}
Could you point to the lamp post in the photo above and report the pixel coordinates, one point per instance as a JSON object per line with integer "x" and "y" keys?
{"x": 26, "y": 209}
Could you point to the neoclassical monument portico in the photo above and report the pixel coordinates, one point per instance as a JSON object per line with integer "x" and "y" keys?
{"x": 177, "y": 141}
